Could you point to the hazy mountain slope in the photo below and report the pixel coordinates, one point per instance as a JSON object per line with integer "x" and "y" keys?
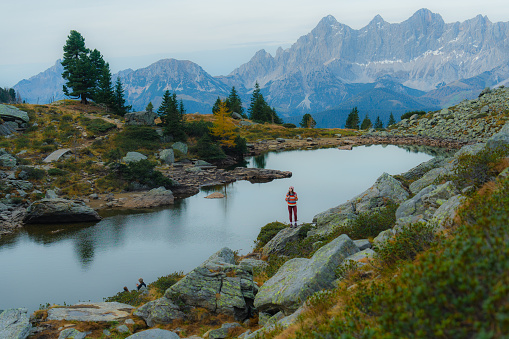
{"x": 43, "y": 87}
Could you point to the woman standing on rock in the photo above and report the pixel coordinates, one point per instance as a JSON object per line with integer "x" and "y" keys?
{"x": 291, "y": 199}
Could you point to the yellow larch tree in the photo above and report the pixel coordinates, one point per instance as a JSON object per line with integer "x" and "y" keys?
{"x": 223, "y": 127}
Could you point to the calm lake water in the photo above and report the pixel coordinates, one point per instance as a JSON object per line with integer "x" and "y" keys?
{"x": 71, "y": 263}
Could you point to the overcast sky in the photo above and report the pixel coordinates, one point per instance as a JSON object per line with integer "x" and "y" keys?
{"x": 219, "y": 35}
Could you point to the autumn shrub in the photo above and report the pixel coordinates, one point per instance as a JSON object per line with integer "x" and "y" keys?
{"x": 57, "y": 172}
{"x": 477, "y": 169}
{"x": 33, "y": 173}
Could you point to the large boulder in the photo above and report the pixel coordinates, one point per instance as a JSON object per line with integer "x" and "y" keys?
{"x": 445, "y": 214}
{"x": 11, "y": 113}
{"x": 154, "y": 198}
{"x": 499, "y": 139}
{"x": 87, "y": 311}
{"x": 427, "y": 179}
{"x": 154, "y": 333}
{"x": 299, "y": 278}
{"x": 180, "y": 146}
{"x": 59, "y": 211}
{"x": 424, "y": 204}
{"x": 385, "y": 188}
{"x": 7, "y": 160}
{"x": 278, "y": 243}
{"x": 421, "y": 169}
{"x": 133, "y": 157}
{"x": 140, "y": 118}
{"x": 56, "y": 155}
{"x": 167, "y": 156}
{"x": 217, "y": 285}
{"x": 14, "y": 323}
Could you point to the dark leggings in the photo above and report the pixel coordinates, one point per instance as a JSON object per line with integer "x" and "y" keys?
{"x": 294, "y": 208}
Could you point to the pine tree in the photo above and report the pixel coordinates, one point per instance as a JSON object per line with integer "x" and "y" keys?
{"x": 255, "y": 105}
{"x": 234, "y": 103}
{"x": 104, "y": 92}
{"x": 378, "y": 123}
{"x": 223, "y": 127}
{"x": 392, "y": 121}
{"x": 217, "y": 106}
{"x": 79, "y": 73}
{"x": 119, "y": 106}
{"x": 352, "y": 121}
{"x": 172, "y": 116}
{"x": 307, "y": 121}
{"x": 260, "y": 111}
{"x": 366, "y": 123}
{"x": 149, "y": 107}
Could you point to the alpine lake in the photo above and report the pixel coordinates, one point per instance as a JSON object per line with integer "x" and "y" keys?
{"x": 68, "y": 263}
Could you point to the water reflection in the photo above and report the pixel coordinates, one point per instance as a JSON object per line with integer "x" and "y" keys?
{"x": 260, "y": 161}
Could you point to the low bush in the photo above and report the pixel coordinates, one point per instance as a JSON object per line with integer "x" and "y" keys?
{"x": 34, "y": 173}
{"x": 197, "y": 129}
{"x": 370, "y": 224}
{"x": 409, "y": 114}
{"x": 207, "y": 149}
{"x": 98, "y": 126}
{"x": 134, "y": 138}
{"x": 288, "y": 125}
{"x": 57, "y": 172}
{"x": 144, "y": 173}
{"x": 268, "y": 232}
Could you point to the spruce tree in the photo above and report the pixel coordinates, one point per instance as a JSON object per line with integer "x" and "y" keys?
{"x": 392, "y": 121}
{"x": 119, "y": 106}
{"x": 352, "y": 121}
{"x": 172, "y": 116}
{"x": 104, "y": 91}
{"x": 79, "y": 72}
{"x": 150, "y": 107}
{"x": 234, "y": 103}
{"x": 307, "y": 121}
{"x": 217, "y": 105}
{"x": 260, "y": 111}
{"x": 366, "y": 123}
{"x": 378, "y": 123}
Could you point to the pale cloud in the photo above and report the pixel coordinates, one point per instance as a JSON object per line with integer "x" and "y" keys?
{"x": 231, "y": 31}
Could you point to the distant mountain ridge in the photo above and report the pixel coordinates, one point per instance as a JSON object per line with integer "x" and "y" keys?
{"x": 420, "y": 63}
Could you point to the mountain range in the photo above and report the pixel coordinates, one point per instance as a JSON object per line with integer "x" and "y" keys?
{"x": 421, "y": 63}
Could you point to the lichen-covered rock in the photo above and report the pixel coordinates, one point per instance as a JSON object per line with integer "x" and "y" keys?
{"x": 7, "y": 160}
{"x": 12, "y": 113}
{"x": 217, "y": 285}
{"x": 222, "y": 332}
{"x": 142, "y": 118}
{"x": 167, "y": 156}
{"x": 133, "y": 157}
{"x": 154, "y": 198}
{"x": 253, "y": 263}
{"x": 160, "y": 311}
{"x": 445, "y": 214}
{"x": 72, "y": 333}
{"x": 59, "y": 211}
{"x": 14, "y": 323}
{"x": 281, "y": 239}
{"x": 360, "y": 256}
{"x": 424, "y": 204}
{"x": 385, "y": 188}
{"x": 362, "y": 244}
{"x": 299, "y": 278}
{"x": 382, "y": 237}
{"x": 154, "y": 333}
{"x": 180, "y": 146}
{"x": 87, "y": 311}
{"x": 421, "y": 169}
{"x": 427, "y": 179}
{"x": 499, "y": 139}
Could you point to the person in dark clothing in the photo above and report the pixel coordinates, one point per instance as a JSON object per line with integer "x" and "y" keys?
{"x": 141, "y": 284}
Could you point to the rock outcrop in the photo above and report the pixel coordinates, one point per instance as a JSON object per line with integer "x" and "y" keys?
{"x": 142, "y": 118}
{"x": 154, "y": 198}
{"x": 87, "y": 311}
{"x": 59, "y": 211}
{"x": 14, "y": 323}
{"x": 154, "y": 333}
{"x": 299, "y": 278}
{"x": 218, "y": 285}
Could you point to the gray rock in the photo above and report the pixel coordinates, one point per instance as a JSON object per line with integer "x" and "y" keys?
{"x": 72, "y": 333}
{"x": 445, "y": 214}
{"x": 14, "y": 323}
{"x": 101, "y": 311}
{"x": 236, "y": 116}
{"x": 133, "y": 157}
{"x": 299, "y": 278}
{"x": 167, "y": 156}
{"x": 7, "y": 160}
{"x": 359, "y": 256}
{"x": 382, "y": 237}
{"x": 122, "y": 329}
{"x": 160, "y": 311}
{"x": 263, "y": 317}
{"x": 281, "y": 239}
{"x": 280, "y": 140}
{"x": 253, "y": 263}
{"x": 142, "y": 118}
{"x": 427, "y": 179}
{"x": 106, "y": 333}
{"x": 469, "y": 150}
{"x": 51, "y": 194}
{"x": 180, "y": 146}
{"x": 421, "y": 169}
{"x": 154, "y": 333}
{"x": 56, "y": 155}
{"x": 11, "y": 113}
{"x": 362, "y": 244}
{"x": 202, "y": 163}
{"x": 59, "y": 210}
{"x": 499, "y": 139}
{"x": 129, "y": 321}
{"x": 222, "y": 332}
{"x": 246, "y": 123}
